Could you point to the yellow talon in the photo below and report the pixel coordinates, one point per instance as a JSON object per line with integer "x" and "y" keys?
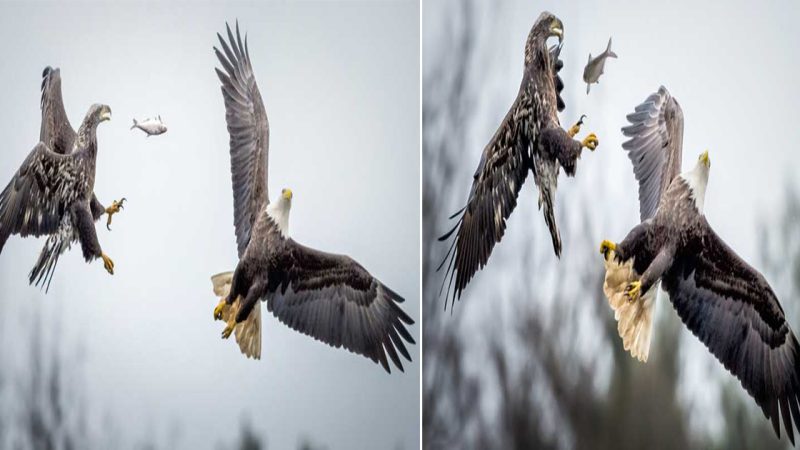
{"x": 590, "y": 142}
{"x": 218, "y": 309}
{"x": 115, "y": 207}
{"x": 226, "y": 333}
{"x": 607, "y": 246}
{"x": 107, "y": 263}
{"x": 576, "y": 128}
{"x": 632, "y": 291}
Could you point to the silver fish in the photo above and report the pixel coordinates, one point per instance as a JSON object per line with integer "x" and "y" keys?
{"x": 594, "y": 68}
{"x": 153, "y": 126}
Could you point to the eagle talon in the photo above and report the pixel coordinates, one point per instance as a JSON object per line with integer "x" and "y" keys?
{"x": 226, "y": 333}
{"x": 590, "y": 142}
{"x": 115, "y": 207}
{"x": 607, "y": 246}
{"x": 575, "y": 129}
{"x": 633, "y": 290}
{"x": 107, "y": 263}
{"x": 218, "y": 309}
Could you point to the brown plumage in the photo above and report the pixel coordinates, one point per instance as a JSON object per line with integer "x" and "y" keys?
{"x": 52, "y": 192}
{"x": 329, "y": 297}
{"x": 724, "y": 301}
{"x": 529, "y": 139}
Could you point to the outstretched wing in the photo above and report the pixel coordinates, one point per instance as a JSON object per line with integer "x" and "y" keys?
{"x": 333, "y": 299}
{"x": 56, "y": 131}
{"x": 654, "y": 147}
{"x": 730, "y": 307}
{"x": 35, "y": 199}
{"x": 493, "y": 196}
{"x": 249, "y": 134}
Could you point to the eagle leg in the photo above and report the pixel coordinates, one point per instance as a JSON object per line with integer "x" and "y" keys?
{"x": 107, "y": 263}
{"x": 590, "y": 142}
{"x": 607, "y": 246}
{"x": 220, "y": 308}
{"x": 115, "y": 207}
{"x": 573, "y": 130}
{"x": 633, "y": 290}
{"x": 229, "y": 326}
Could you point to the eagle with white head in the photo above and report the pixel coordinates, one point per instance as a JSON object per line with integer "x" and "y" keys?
{"x": 331, "y": 298}
{"x": 724, "y": 301}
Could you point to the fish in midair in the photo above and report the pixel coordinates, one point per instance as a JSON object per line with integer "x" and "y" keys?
{"x": 594, "y": 67}
{"x": 153, "y": 126}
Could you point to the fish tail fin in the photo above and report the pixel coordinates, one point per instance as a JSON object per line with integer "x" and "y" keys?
{"x": 634, "y": 319}
{"x": 135, "y": 123}
{"x": 248, "y": 331}
{"x": 609, "y": 53}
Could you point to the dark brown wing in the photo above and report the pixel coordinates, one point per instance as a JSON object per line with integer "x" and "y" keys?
{"x": 654, "y": 147}
{"x": 56, "y": 131}
{"x": 35, "y": 200}
{"x": 333, "y": 299}
{"x": 249, "y": 134}
{"x": 493, "y": 196}
{"x": 730, "y": 307}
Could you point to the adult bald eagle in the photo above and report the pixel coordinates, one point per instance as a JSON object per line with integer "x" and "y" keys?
{"x": 52, "y": 192}
{"x": 725, "y": 302}
{"x": 530, "y": 139}
{"x": 328, "y": 297}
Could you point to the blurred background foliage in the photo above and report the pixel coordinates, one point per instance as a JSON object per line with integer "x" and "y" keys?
{"x": 531, "y": 358}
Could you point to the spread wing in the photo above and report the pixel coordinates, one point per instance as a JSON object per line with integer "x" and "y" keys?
{"x": 654, "y": 147}
{"x": 35, "y": 199}
{"x": 56, "y": 131}
{"x": 493, "y": 196}
{"x": 730, "y": 307}
{"x": 249, "y": 134}
{"x": 333, "y": 299}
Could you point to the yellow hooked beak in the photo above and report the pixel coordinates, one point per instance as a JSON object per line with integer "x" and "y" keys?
{"x": 287, "y": 194}
{"x": 705, "y": 159}
{"x": 557, "y": 29}
{"x": 105, "y": 115}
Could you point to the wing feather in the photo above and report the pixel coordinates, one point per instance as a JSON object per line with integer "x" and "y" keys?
{"x": 35, "y": 199}
{"x": 501, "y": 173}
{"x": 732, "y": 309}
{"x": 248, "y": 127}
{"x": 334, "y": 300}
{"x": 654, "y": 147}
{"x": 56, "y": 131}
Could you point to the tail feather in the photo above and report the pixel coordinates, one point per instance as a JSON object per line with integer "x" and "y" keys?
{"x": 634, "y": 319}
{"x": 42, "y": 273}
{"x": 247, "y": 332}
{"x": 135, "y": 124}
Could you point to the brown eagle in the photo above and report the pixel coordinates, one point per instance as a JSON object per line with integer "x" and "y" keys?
{"x": 52, "y": 193}
{"x": 530, "y": 139}
{"x": 723, "y": 300}
{"x": 329, "y": 297}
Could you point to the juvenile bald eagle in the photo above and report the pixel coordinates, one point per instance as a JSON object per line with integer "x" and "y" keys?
{"x": 725, "y": 302}
{"x": 52, "y": 192}
{"x": 328, "y": 297}
{"x": 530, "y": 139}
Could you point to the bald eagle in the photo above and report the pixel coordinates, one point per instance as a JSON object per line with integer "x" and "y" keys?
{"x": 52, "y": 192}
{"x": 724, "y": 301}
{"x": 331, "y": 298}
{"x": 529, "y": 139}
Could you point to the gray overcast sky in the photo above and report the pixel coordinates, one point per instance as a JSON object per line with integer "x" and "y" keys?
{"x": 731, "y": 65}
{"x": 341, "y": 86}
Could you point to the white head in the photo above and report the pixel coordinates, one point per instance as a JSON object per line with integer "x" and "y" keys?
{"x": 697, "y": 178}
{"x": 279, "y": 211}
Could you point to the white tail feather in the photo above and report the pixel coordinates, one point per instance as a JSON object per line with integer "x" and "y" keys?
{"x": 247, "y": 332}
{"x": 634, "y": 319}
